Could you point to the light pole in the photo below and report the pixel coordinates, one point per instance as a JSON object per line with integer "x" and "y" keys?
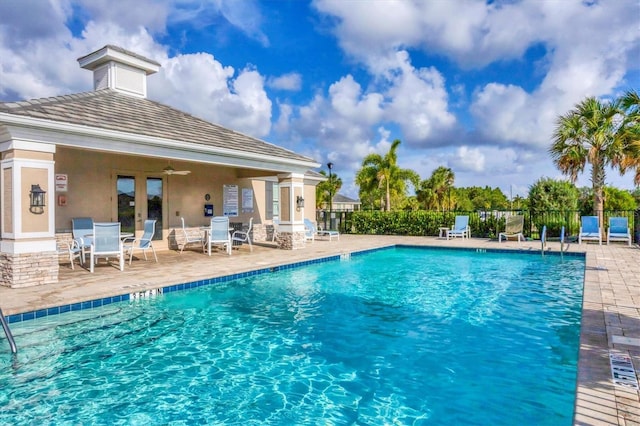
{"x": 330, "y": 166}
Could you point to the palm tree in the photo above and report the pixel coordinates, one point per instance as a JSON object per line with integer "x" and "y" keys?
{"x": 590, "y": 133}
{"x": 630, "y": 130}
{"x": 382, "y": 176}
{"x": 327, "y": 189}
{"x": 435, "y": 190}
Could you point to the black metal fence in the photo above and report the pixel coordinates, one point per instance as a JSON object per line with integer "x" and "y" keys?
{"x": 483, "y": 224}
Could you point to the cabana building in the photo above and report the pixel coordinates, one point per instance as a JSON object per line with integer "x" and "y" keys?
{"x": 115, "y": 156}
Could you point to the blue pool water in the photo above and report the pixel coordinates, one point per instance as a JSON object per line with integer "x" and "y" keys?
{"x": 397, "y": 336}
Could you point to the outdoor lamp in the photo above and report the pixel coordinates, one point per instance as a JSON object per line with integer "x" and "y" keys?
{"x": 36, "y": 198}
{"x": 299, "y": 202}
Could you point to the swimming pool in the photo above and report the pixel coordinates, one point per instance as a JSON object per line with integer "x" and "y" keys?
{"x": 397, "y": 336}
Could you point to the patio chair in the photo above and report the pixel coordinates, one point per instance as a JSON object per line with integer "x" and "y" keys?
{"x": 143, "y": 243}
{"x": 190, "y": 237}
{"x": 243, "y": 236}
{"x": 106, "y": 243}
{"x": 82, "y": 229}
{"x": 309, "y": 230}
{"x": 590, "y": 229}
{"x": 331, "y": 234}
{"x": 513, "y": 228}
{"x": 619, "y": 230}
{"x": 276, "y": 223}
{"x": 71, "y": 250}
{"x": 460, "y": 228}
{"x": 219, "y": 233}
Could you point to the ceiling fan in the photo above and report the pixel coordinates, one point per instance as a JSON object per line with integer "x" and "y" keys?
{"x": 171, "y": 171}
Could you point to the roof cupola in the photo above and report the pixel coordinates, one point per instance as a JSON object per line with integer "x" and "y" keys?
{"x": 118, "y": 69}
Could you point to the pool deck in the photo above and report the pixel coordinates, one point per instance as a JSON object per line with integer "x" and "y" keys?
{"x": 610, "y": 311}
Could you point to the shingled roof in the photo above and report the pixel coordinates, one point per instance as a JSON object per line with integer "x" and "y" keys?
{"x": 111, "y": 110}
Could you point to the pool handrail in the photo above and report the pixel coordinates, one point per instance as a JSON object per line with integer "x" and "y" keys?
{"x": 543, "y": 238}
{"x": 7, "y": 332}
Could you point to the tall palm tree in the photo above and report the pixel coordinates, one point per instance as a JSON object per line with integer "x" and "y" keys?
{"x": 590, "y": 133}
{"x": 630, "y": 130}
{"x": 382, "y": 173}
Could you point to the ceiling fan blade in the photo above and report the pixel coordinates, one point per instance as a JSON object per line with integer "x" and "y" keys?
{"x": 171, "y": 171}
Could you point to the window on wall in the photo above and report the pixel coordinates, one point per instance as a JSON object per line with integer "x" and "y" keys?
{"x": 273, "y": 200}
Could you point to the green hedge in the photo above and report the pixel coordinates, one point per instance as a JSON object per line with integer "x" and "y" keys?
{"x": 483, "y": 224}
{"x": 419, "y": 223}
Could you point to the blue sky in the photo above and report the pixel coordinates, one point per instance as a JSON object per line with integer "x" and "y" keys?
{"x": 471, "y": 85}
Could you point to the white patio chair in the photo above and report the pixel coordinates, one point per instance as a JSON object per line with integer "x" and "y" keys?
{"x": 106, "y": 243}
{"x": 309, "y": 230}
{"x": 276, "y": 223}
{"x": 243, "y": 236}
{"x": 460, "y": 228}
{"x": 143, "y": 243}
{"x": 219, "y": 234}
{"x": 71, "y": 250}
{"x": 190, "y": 237}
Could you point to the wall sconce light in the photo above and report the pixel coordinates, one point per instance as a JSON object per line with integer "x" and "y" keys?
{"x": 36, "y": 199}
{"x": 299, "y": 202}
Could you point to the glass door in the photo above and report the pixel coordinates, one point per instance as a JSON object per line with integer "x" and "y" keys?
{"x": 154, "y": 204}
{"x": 126, "y": 191}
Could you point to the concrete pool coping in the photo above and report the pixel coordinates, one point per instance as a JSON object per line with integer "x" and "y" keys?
{"x": 610, "y": 311}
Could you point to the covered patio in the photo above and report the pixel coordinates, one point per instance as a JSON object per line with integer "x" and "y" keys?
{"x": 115, "y": 156}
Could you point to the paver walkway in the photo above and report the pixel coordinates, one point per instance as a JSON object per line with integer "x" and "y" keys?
{"x": 610, "y": 316}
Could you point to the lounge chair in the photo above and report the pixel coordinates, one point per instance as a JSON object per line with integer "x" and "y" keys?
{"x": 219, "y": 233}
{"x": 106, "y": 243}
{"x": 190, "y": 237}
{"x": 331, "y": 234}
{"x": 82, "y": 229}
{"x": 309, "y": 230}
{"x": 513, "y": 228}
{"x": 460, "y": 228}
{"x": 143, "y": 243}
{"x": 619, "y": 230}
{"x": 243, "y": 236}
{"x": 590, "y": 229}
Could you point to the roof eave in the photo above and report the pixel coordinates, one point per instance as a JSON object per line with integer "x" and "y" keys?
{"x": 278, "y": 163}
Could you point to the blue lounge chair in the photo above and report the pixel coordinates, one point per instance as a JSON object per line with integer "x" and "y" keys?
{"x": 460, "y": 228}
{"x": 590, "y": 230}
{"x": 619, "y": 230}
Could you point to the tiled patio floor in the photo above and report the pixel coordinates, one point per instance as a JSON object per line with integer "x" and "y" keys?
{"x": 610, "y": 320}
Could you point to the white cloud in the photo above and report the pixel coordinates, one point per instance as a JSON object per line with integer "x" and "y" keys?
{"x": 418, "y": 102}
{"x": 468, "y": 159}
{"x": 290, "y": 81}
{"x": 199, "y": 84}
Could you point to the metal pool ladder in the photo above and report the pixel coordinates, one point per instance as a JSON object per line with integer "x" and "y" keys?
{"x": 7, "y": 332}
